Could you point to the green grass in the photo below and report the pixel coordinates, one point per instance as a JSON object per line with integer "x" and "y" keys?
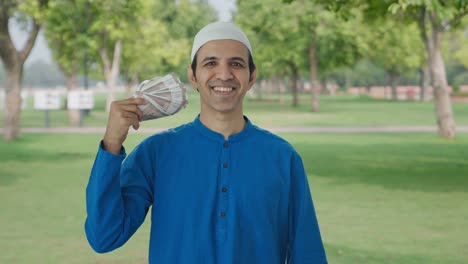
{"x": 344, "y": 110}
{"x": 380, "y": 198}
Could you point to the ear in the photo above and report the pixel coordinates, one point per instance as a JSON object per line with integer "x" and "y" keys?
{"x": 191, "y": 77}
{"x": 253, "y": 78}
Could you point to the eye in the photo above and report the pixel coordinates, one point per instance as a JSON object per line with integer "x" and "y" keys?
{"x": 210, "y": 63}
{"x": 237, "y": 65}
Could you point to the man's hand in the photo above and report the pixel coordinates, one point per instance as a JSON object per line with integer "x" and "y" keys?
{"x": 122, "y": 115}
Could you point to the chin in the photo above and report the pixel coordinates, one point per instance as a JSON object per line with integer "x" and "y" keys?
{"x": 226, "y": 109}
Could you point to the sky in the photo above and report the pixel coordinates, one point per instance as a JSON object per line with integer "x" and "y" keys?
{"x": 41, "y": 50}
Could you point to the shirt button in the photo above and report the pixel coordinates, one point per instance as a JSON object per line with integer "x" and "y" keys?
{"x": 225, "y": 165}
{"x": 226, "y": 144}
{"x": 222, "y": 214}
{"x": 224, "y": 189}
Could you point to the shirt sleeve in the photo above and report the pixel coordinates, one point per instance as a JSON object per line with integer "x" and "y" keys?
{"x": 118, "y": 197}
{"x": 305, "y": 242}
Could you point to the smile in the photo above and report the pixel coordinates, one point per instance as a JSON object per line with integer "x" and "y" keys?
{"x": 222, "y": 89}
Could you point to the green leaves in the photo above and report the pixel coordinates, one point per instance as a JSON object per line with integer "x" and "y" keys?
{"x": 156, "y": 35}
{"x": 443, "y": 12}
{"x": 34, "y": 9}
{"x": 67, "y": 33}
{"x": 397, "y": 47}
{"x": 282, "y": 33}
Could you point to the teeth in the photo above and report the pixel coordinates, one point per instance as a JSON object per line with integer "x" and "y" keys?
{"x": 223, "y": 89}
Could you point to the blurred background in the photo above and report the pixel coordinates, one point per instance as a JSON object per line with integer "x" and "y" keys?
{"x": 372, "y": 94}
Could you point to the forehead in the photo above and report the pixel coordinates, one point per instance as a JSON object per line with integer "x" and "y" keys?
{"x": 223, "y": 49}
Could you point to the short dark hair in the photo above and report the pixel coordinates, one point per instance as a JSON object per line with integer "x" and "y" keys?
{"x": 252, "y": 66}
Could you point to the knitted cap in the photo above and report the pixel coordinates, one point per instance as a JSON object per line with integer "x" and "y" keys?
{"x": 218, "y": 31}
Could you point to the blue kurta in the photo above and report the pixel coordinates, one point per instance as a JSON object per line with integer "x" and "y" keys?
{"x": 241, "y": 200}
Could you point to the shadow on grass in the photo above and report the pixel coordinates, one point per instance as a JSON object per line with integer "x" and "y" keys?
{"x": 16, "y": 170}
{"x": 346, "y": 255}
{"x": 17, "y": 157}
{"x": 26, "y": 155}
{"x": 420, "y": 162}
{"x": 136, "y": 261}
{"x": 419, "y": 166}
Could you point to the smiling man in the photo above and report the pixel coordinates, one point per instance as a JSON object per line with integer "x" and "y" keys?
{"x": 222, "y": 190}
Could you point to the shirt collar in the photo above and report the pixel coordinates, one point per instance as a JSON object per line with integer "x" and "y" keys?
{"x": 218, "y": 136}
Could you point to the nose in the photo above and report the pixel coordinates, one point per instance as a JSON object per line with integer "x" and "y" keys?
{"x": 224, "y": 72}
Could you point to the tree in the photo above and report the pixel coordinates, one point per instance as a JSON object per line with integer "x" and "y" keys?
{"x": 434, "y": 18}
{"x": 365, "y": 73}
{"x": 31, "y": 13}
{"x": 109, "y": 25}
{"x": 145, "y": 50}
{"x": 300, "y": 35}
{"x": 161, "y": 43}
{"x": 455, "y": 51}
{"x": 461, "y": 50}
{"x": 396, "y": 48}
{"x": 335, "y": 43}
{"x": 271, "y": 27}
{"x": 66, "y": 33}
{"x": 441, "y": 16}
{"x": 183, "y": 20}
{"x": 143, "y": 47}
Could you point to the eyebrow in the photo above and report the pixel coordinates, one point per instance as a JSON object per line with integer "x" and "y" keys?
{"x": 212, "y": 58}
{"x": 237, "y": 59}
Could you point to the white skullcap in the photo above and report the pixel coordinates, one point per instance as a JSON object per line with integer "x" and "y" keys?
{"x": 218, "y": 31}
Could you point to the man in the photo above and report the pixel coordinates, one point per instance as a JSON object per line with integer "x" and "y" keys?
{"x": 221, "y": 189}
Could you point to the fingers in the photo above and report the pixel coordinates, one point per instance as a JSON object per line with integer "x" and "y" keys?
{"x": 128, "y": 118}
{"x": 130, "y": 111}
{"x": 132, "y": 119}
{"x": 130, "y": 114}
{"x": 128, "y": 105}
{"x": 123, "y": 114}
{"x": 134, "y": 100}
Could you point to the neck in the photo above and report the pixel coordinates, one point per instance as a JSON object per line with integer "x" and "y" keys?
{"x": 224, "y": 124}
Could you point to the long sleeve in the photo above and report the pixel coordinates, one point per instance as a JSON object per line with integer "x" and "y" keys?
{"x": 118, "y": 197}
{"x": 305, "y": 242}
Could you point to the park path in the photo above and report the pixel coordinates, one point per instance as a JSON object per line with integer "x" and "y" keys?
{"x": 321, "y": 129}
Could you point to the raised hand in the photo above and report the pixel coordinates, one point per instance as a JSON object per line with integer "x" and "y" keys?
{"x": 122, "y": 115}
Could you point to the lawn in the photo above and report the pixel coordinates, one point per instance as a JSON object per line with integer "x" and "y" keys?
{"x": 380, "y": 198}
{"x": 343, "y": 110}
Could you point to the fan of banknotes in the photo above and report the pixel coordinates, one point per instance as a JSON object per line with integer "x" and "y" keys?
{"x": 165, "y": 96}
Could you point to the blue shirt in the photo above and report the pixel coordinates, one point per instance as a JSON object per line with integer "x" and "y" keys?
{"x": 241, "y": 200}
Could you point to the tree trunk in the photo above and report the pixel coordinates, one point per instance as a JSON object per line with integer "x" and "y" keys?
{"x": 323, "y": 86}
{"x": 71, "y": 82}
{"x": 394, "y": 79}
{"x": 425, "y": 69}
{"x": 300, "y": 86}
{"x": 424, "y": 82}
{"x": 293, "y": 83}
{"x": 314, "y": 84}
{"x": 348, "y": 81}
{"x": 13, "y": 61}
{"x": 111, "y": 70}
{"x": 443, "y": 105}
{"x": 11, "y": 115}
{"x": 282, "y": 87}
{"x": 277, "y": 88}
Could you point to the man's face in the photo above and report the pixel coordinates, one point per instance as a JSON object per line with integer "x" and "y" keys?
{"x": 222, "y": 76}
